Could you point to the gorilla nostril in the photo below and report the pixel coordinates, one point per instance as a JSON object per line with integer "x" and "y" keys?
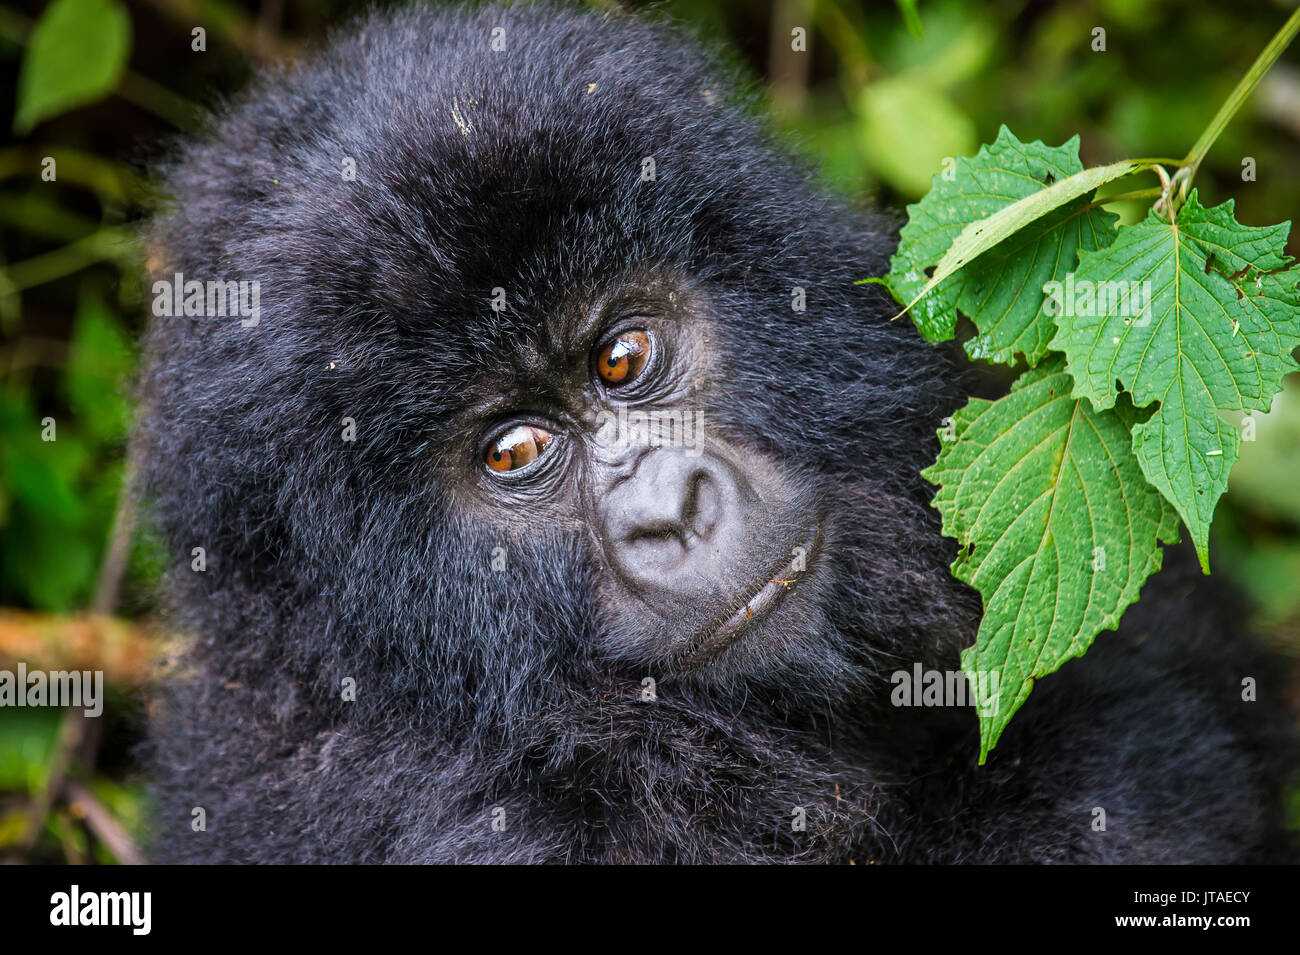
{"x": 651, "y": 550}
{"x": 702, "y": 505}
{"x": 654, "y": 533}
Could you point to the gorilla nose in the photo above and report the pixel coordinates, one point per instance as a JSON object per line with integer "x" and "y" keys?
{"x": 674, "y": 523}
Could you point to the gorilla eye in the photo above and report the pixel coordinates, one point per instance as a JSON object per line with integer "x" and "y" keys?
{"x": 517, "y": 448}
{"x": 623, "y": 359}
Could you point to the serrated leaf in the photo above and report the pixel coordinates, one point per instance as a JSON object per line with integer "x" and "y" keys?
{"x": 1003, "y": 292}
{"x": 981, "y": 236}
{"x": 76, "y": 54}
{"x": 1005, "y": 223}
{"x": 1057, "y": 526}
{"x": 1217, "y": 335}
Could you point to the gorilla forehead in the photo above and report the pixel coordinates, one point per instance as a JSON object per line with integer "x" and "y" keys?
{"x": 519, "y": 169}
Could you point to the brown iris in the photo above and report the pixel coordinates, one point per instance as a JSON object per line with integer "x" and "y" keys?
{"x": 623, "y": 359}
{"x": 519, "y": 446}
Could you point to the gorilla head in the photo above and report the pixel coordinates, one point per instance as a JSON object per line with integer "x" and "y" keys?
{"x": 566, "y": 472}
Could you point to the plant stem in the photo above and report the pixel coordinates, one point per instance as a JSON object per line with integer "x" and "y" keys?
{"x": 1281, "y": 40}
{"x": 1126, "y": 196}
{"x": 162, "y": 102}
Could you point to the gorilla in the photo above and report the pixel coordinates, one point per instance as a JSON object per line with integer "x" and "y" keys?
{"x": 530, "y": 522}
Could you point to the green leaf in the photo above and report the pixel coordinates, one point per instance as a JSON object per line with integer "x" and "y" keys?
{"x": 1003, "y": 291}
{"x": 908, "y": 128}
{"x": 76, "y": 54}
{"x": 953, "y": 52}
{"x": 28, "y": 737}
{"x": 98, "y": 370}
{"x": 1217, "y": 335}
{"x": 1002, "y": 225}
{"x": 979, "y": 237}
{"x": 59, "y": 505}
{"x": 1058, "y": 531}
{"x": 907, "y": 8}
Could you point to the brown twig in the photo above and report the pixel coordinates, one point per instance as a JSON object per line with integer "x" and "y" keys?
{"x": 788, "y": 69}
{"x": 119, "y": 542}
{"x": 86, "y": 806}
{"x": 78, "y": 736}
{"x": 71, "y": 735}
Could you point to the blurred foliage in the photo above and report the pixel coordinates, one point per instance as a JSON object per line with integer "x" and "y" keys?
{"x": 884, "y": 94}
{"x": 75, "y": 55}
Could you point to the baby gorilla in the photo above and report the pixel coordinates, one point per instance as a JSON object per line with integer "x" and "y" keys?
{"x": 538, "y": 526}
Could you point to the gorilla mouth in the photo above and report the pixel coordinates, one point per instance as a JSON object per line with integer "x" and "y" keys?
{"x": 762, "y": 600}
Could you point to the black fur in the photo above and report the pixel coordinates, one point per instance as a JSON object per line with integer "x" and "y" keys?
{"x": 479, "y": 690}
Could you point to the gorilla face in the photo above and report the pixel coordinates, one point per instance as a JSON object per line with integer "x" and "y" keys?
{"x": 705, "y": 546}
{"x": 568, "y": 385}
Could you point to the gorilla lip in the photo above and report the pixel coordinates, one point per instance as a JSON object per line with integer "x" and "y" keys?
{"x": 757, "y": 606}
